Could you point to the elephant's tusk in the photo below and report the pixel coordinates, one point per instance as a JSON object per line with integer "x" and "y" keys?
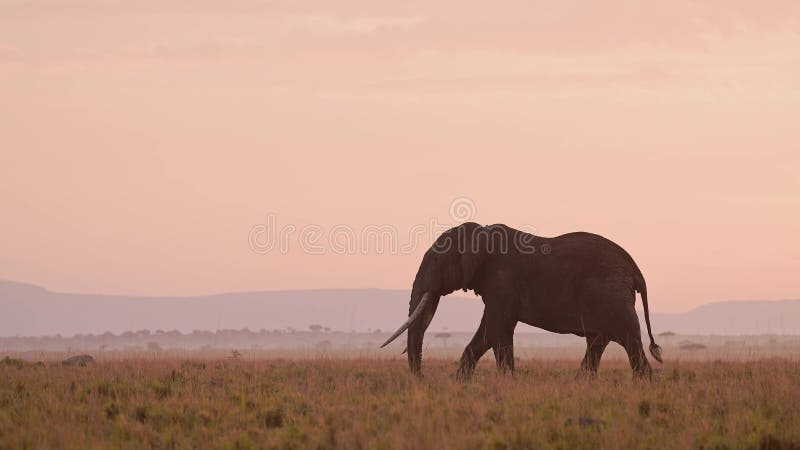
{"x": 426, "y": 298}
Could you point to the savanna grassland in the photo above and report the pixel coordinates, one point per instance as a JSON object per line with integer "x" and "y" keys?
{"x": 374, "y": 404}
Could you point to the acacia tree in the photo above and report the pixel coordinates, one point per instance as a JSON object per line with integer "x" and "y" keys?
{"x": 444, "y": 336}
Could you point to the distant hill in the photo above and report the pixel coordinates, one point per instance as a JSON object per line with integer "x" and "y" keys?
{"x": 734, "y": 317}
{"x": 33, "y": 311}
{"x": 28, "y": 310}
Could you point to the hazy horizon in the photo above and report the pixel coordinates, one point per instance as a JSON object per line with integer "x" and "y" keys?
{"x": 142, "y": 143}
{"x": 31, "y": 310}
{"x": 456, "y": 294}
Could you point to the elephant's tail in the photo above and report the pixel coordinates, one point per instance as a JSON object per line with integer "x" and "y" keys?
{"x": 655, "y": 350}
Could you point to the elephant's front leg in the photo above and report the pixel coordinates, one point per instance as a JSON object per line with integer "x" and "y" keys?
{"x": 475, "y": 349}
{"x": 503, "y": 348}
{"x": 500, "y": 325}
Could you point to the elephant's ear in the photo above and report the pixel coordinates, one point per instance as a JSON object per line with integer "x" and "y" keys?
{"x": 473, "y": 252}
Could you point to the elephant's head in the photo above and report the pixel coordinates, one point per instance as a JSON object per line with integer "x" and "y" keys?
{"x": 450, "y": 264}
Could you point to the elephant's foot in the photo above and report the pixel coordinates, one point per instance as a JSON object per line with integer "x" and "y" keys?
{"x": 505, "y": 370}
{"x": 506, "y": 365}
{"x": 504, "y": 356}
{"x": 465, "y": 372}
{"x": 463, "y": 376}
{"x": 643, "y": 374}
{"x": 588, "y": 369}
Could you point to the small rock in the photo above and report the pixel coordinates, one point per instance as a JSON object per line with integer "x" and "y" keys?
{"x": 588, "y": 421}
{"x": 78, "y": 360}
{"x": 585, "y": 422}
{"x": 691, "y": 346}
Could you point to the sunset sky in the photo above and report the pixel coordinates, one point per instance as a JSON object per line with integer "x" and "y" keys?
{"x": 142, "y": 141}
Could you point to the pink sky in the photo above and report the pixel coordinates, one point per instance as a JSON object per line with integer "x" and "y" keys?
{"x": 141, "y": 141}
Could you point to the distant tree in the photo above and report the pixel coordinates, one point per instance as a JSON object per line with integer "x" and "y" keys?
{"x": 444, "y": 336}
{"x": 315, "y": 328}
{"x": 105, "y": 337}
{"x": 153, "y": 347}
{"x": 691, "y": 346}
{"x": 667, "y": 333}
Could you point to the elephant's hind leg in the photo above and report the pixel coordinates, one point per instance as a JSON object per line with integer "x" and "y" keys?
{"x": 636, "y": 356}
{"x": 595, "y": 346}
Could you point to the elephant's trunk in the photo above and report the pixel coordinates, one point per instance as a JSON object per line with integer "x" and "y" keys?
{"x": 414, "y": 349}
{"x": 416, "y": 332}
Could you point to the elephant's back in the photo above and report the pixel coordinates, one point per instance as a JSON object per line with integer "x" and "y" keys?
{"x": 596, "y": 255}
{"x": 580, "y": 243}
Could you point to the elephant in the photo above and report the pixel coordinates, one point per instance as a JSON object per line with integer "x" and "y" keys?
{"x": 577, "y": 283}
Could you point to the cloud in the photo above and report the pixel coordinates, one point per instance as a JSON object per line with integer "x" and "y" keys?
{"x": 530, "y": 44}
{"x": 359, "y": 25}
{"x": 630, "y": 77}
{"x": 9, "y": 53}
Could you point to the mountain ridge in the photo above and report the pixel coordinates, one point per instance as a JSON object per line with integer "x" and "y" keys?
{"x": 32, "y": 310}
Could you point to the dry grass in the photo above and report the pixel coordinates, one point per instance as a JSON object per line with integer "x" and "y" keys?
{"x": 368, "y": 403}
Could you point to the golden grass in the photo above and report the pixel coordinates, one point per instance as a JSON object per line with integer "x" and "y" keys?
{"x": 374, "y": 404}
